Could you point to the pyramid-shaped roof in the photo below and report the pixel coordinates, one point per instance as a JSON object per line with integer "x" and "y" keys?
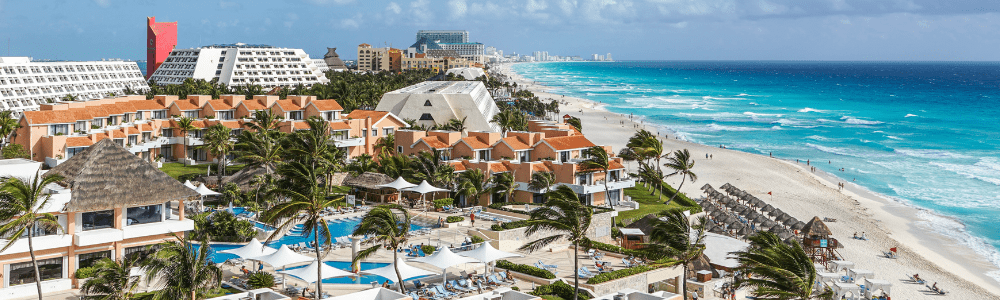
{"x": 106, "y": 176}
{"x": 816, "y": 227}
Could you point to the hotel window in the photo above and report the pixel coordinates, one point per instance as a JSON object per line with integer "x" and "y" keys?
{"x": 426, "y": 117}
{"x": 233, "y": 133}
{"x": 24, "y": 273}
{"x": 70, "y": 151}
{"x": 564, "y": 156}
{"x": 112, "y": 121}
{"x": 59, "y": 129}
{"x": 88, "y": 259}
{"x": 374, "y": 131}
{"x": 224, "y": 115}
{"x": 159, "y": 114}
{"x": 140, "y": 252}
{"x": 329, "y": 116}
{"x": 295, "y": 115}
{"x": 147, "y": 136}
{"x": 191, "y": 114}
{"x": 388, "y": 131}
{"x": 167, "y": 132}
{"x": 167, "y": 152}
{"x": 133, "y": 139}
{"x": 484, "y": 154}
{"x": 144, "y": 214}
{"x": 98, "y": 219}
{"x": 196, "y": 133}
{"x": 523, "y": 156}
{"x": 364, "y": 132}
{"x": 127, "y": 118}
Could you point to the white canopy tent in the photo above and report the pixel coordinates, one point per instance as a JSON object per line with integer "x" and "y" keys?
{"x": 826, "y": 278}
{"x": 405, "y": 271}
{"x": 378, "y": 293}
{"x": 858, "y": 274}
{"x": 840, "y": 290}
{"x": 398, "y": 185}
{"x": 444, "y": 258}
{"x": 486, "y": 254}
{"x": 718, "y": 247}
{"x": 872, "y": 285}
{"x": 282, "y": 257}
{"x": 251, "y": 250}
{"x": 308, "y": 274}
{"x": 841, "y": 265}
{"x": 188, "y": 184}
{"x": 423, "y": 189}
{"x": 204, "y": 191}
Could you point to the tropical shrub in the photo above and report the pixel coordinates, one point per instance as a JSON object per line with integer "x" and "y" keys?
{"x": 428, "y": 249}
{"x": 454, "y": 219}
{"x": 13, "y": 150}
{"x": 87, "y": 272}
{"x": 559, "y": 289}
{"x": 259, "y": 280}
{"x": 620, "y": 273}
{"x": 476, "y": 239}
{"x": 681, "y": 198}
{"x": 439, "y": 203}
{"x": 509, "y": 225}
{"x": 525, "y": 269}
{"x": 222, "y": 226}
{"x": 619, "y": 250}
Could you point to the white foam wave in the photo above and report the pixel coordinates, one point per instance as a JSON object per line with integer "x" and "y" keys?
{"x": 894, "y": 137}
{"x": 981, "y": 172}
{"x": 931, "y": 153}
{"x": 818, "y": 138}
{"x": 805, "y": 110}
{"x": 717, "y": 127}
{"x": 787, "y": 122}
{"x": 957, "y": 231}
{"x": 909, "y": 115}
{"x": 756, "y": 115}
{"x": 834, "y": 150}
{"x": 775, "y": 127}
{"x": 856, "y": 121}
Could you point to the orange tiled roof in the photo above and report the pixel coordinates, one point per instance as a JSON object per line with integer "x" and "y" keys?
{"x": 117, "y": 134}
{"x": 459, "y": 166}
{"x": 119, "y": 108}
{"x": 361, "y": 114}
{"x": 569, "y": 142}
{"x": 231, "y": 124}
{"x": 540, "y": 167}
{"x": 516, "y": 143}
{"x": 56, "y": 116}
{"x": 146, "y": 127}
{"x": 475, "y": 143}
{"x": 287, "y": 105}
{"x": 341, "y": 125}
{"x": 185, "y": 105}
{"x": 327, "y": 105}
{"x": 253, "y": 105}
{"x": 434, "y": 142}
{"x": 614, "y": 165}
{"x": 147, "y": 105}
{"x": 78, "y": 141}
{"x": 220, "y": 105}
{"x": 196, "y": 123}
{"x": 300, "y": 125}
{"x": 498, "y": 168}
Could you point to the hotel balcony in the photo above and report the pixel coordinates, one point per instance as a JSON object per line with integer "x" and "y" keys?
{"x": 173, "y": 224}
{"x": 597, "y": 187}
{"x": 97, "y": 237}
{"x": 39, "y": 243}
{"x": 349, "y": 142}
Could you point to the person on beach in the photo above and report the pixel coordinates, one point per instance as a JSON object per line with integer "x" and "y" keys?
{"x": 472, "y": 218}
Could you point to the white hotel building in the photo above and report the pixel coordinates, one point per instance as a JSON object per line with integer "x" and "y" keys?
{"x": 241, "y": 64}
{"x": 24, "y": 84}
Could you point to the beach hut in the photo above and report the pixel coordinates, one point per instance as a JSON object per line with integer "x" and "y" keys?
{"x": 842, "y": 289}
{"x": 767, "y": 208}
{"x": 840, "y": 265}
{"x": 817, "y": 242}
{"x": 873, "y": 285}
{"x": 368, "y": 187}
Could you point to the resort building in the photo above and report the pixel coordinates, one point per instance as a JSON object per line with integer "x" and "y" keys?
{"x": 437, "y": 102}
{"x": 467, "y": 73}
{"x": 110, "y": 204}
{"x": 457, "y": 40}
{"x": 27, "y": 84}
{"x": 546, "y": 147}
{"x": 444, "y": 36}
{"x": 240, "y": 64}
{"x": 161, "y": 38}
{"x": 149, "y": 128}
{"x": 379, "y": 59}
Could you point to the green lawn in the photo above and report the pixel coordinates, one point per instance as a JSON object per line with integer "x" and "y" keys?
{"x": 647, "y": 204}
{"x": 178, "y": 169}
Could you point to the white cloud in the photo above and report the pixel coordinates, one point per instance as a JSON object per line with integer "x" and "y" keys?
{"x": 567, "y": 6}
{"x": 536, "y": 5}
{"x": 351, "y": 23}
{"x": 679, "y": 25}
{"x": 420, "y": 11}
{"x": 394, "y": 8}
{"x": 458, "y": 8}
{"x": 227, "y": 4}
{"x": 103, "y": 3}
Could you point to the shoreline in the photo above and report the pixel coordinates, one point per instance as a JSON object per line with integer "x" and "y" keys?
{"x": 887, "y": 222}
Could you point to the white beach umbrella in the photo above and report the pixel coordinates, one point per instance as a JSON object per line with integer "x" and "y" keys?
{"x": 424, "y": 188}
{"x": 398, "y": 185}
{"x": 190, "y": 185}
{"x": 204, "y": 191}
{"x": 251, "y": 250}
{"x": 282, "y": 257}
{"x": 405, "y": 271}
{"x": 486, "y": 254}
{"x": 444, "y": 258}
{"x": 308, "y": 274}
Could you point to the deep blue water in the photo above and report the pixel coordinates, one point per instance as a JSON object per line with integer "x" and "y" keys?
{"x": 923, "y": 133}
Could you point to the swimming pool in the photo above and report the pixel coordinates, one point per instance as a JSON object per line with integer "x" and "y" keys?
{"x": 214, "y": 254}
{"x": 263, "y": 226}
{"x": 338, "y": 228}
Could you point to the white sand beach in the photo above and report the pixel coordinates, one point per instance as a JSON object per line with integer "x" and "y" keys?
{"x": 803, "y": 194}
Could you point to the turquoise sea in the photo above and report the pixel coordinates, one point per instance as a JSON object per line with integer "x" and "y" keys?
{"x": 923, "y": 133}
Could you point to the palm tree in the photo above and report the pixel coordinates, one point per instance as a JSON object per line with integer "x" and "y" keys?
{"x": 429, "y": 166}
{"x": 264, "y": 121}
{"x": 510, "y": 119}
{"x": 8, "y": 124}
{"x": 598, "y": 159}
{"x": 185, "y": 125}
{"x": 21, "y": 202}
{"x": 316, "y": 148}
{"x": 576, "y": 123}
{"x": 472, "y": 184}
{"x": 504, "y": 183}
{"x": 646, "y": 146}
{"x": 186, "y": 273}
{"x": 386, "y": 144}
{"x": 394, "y": 166}
{"x": 217, "y": 141}
{"x": 255, "y": 149}
{"x": 673, "y": 237}
{"x": 780, "y": 270}
{"x": 681, "y": 163}
{"x": 387, "y": 226}
{"x": 300, "y": 185}
{"x": 566, "y": 218}
{"x": 112, "y": 281}
{"x": 541, "y": 181}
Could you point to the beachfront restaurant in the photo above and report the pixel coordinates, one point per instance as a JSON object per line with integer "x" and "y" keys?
{"x": 110, "y": 204}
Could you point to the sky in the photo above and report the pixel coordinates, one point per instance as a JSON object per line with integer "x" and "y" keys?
{"x": 860, "y": 30}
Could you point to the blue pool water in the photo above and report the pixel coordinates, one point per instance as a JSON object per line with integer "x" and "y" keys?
{"x": 363, "y": 279}
{"x": 338, "y": 228}
{"x": 217, "y": 257}
{"x": 263, "y": 226}
{"x": 922, "y": 133}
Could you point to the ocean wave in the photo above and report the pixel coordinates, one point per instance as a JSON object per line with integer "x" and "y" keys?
{"x": 958, "y": 232}
{"x": 909, "y": 115}
{"x": 818, "y": 138}
{"x": 757, "y": 116}
{"x": 788, "y": 122}
{"x": 717, "y": 127}
{"x": 856, "y": 121}
{"x": 931, "y": 153}
{"x": 894, "y": 137}
{"x": 805, "y": 110}
{"x": 976, "y": 171}
{"x": 844, "y": 151}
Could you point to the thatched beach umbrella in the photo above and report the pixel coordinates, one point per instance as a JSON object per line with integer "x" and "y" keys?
{"x": 739, "y": 208}
{"x": 790, "y": 221}
{"x": 706, "y": 187}
{"x": 760, "y": 219}
{"x": 737, "y": 225}
{"x": 743, "y": 231}
{"x": 781, "y": 218}
{"x": 798, "y": 226}
{"x": 815, "y": 227}
{"x": 776, "y": 229}
{"x": 784, "y": 235}
{"x": 717, "y": 230}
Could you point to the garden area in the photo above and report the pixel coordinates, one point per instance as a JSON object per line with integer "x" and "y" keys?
{"x": 651, "y": 204}
{"x": 181, "y": 172}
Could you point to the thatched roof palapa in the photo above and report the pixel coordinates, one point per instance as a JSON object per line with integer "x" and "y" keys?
{"x": 245, "y": 177}
{"x": 368, "y": 180}
{"x": 816, "y": 227}
{"x": 106, "y": 176}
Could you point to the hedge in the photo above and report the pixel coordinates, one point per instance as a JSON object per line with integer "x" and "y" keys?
{"x": 500, "y": 206}
{"x": 454, "y": 219}
{"x": 428, "y": 249}
{"x": 620, "y": 273}
{"x": 560, "y": 289}
{"x": 525, "y": 269}
{"x": 619, "y": 250}
{"x": 476, "y": 239}
{"x": 258, "y": 280}
{"x": 87, "y": 272}
{"x": 439, "y": 203}
{"x": 509, "y": 225}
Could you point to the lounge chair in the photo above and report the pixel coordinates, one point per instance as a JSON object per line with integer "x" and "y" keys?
{"x": 580, "y": 273}
{"x": 503, "y": 277}
{"x": 440, "y": 290}
{"x": 587, "y": 271}
{"x": 454, "y": 283}
{"x": 546, "y": 266}
{"x": 917, "y": 280}
{"x": 628, "y": 264}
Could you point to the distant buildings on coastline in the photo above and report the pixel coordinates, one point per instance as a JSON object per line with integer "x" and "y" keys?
{"x": 26, "y": 84}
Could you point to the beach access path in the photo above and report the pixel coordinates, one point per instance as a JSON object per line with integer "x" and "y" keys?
{"x": 804, "y": 194}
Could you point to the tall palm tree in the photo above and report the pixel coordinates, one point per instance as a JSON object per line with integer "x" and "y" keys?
{"x": 217, "y": 141}
{"x": 186, "y": 273}
{"x": 8, "y": 124}
{"x": 780, "y": 270}
{"x": 598, "y": 159}
{"x": 186, "y": 125}
{"x": 21, "y": 202}
{"x": 429, "y": 166}
{"x": 646, "y": 147}
{"x": 387, "y": 227}
{"x": 112, "y": 280}
{"x": 566, "y": 218}
{"x": 473, "y": 184}
{"x": 386, "y": 144}
{"x": 676, "y": 238}
{"x": 682, "y": 164}
{"x": 510, "y": 119}
{"x": 316, "y": 148}
{"x": 255, "y": 149}
{"x": 576, "y": 123}
{"x": 264, "y": 121}
{"x": 503, "y": 183}
{"x": 395, "y": 166}
{"x": 542, "y": 181}
{"x": 306, "y": 201}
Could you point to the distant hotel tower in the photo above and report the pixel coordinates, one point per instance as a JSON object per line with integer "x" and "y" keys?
{"x": 161, "y": 38}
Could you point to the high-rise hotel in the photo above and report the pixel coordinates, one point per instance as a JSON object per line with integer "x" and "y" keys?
{"x": 26, "y": 84}
{"x": 240, "y": 64}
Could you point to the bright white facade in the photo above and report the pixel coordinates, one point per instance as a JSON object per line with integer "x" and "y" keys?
{"x": 436, "y": 102}
{"x": 241, "y": 64}
{"x": 24, "y": 84}
{"x": 467, "y": 73}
